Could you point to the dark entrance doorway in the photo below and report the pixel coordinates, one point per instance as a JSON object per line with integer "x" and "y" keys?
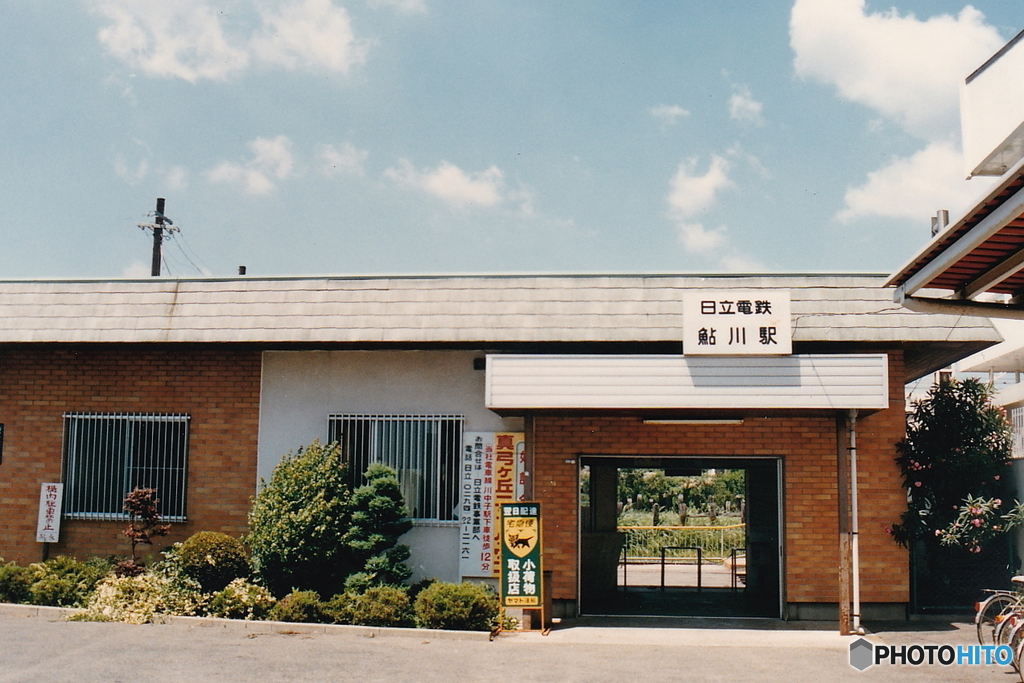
{"x": 680, "y": 536}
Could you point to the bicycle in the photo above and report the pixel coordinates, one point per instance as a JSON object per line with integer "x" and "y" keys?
{"x": 990, "y": 614}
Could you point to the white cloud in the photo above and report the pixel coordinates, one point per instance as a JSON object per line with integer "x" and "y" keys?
{"x": 311, "y": 33}
{"x": 402, "y": 6}
{"x": 696, "y": 238}
{"x": 451, "y": 184}
{"x": 743, "y": 106}
{"x": 176, "y": 178}
{"x": 138, "y": 269}
{"x": 741, "y": 263}
{"x": 909, "y": 70}
{"x": 344, "y": 158}
{"x": 132, "y": 176}
{"x": 182, "y": 39}
{"x": 914, "y": 187}
{"x": 272, "y": 160}
{"x": 690, "y": 195}
{"x": 198, "y": 40}
{"x": 668, "y": 114}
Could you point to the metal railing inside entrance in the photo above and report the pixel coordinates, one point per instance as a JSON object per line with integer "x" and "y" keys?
{"x": 682, "y": 556}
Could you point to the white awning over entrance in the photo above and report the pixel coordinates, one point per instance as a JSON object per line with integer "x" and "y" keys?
{"x": 651, "y": 382}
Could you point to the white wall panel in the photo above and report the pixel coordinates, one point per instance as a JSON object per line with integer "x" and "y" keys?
{"x": 655, "y": 382}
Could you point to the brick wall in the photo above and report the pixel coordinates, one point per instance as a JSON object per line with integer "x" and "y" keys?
{"x": 807, "y": 445}
{"x": 218, "y": 386}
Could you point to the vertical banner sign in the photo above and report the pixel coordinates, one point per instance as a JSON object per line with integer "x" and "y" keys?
{"x": 520, "y": 466}
{"x": 521, "y": 572}
{"x": 505, "y": 479}
{"x": 48, "y": 526}
{"x": 476, "y": 516}
{"x": 490, "y": 474}
{"x": 736, "y": 322}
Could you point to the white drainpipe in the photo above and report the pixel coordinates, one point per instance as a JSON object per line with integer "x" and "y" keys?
{"x": 854, "y": 545}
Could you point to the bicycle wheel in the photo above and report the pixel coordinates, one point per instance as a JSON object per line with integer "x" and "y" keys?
{"x": 1008, "y": 621}
{"x": 988, "y": 618}
{"x": 1014, "y": 640}
{"x": 1017, "y": 658}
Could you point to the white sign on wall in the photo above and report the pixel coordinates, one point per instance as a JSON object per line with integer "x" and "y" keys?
{"x": 490, "y": 474}
{"x": 48, "y": 525}
{"x": 737, "y": 322}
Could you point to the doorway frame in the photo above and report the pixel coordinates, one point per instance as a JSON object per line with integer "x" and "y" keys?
{"x": 780, "y": 521}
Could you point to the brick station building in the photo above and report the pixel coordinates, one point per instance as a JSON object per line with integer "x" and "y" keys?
{"x": 198, "y": 387}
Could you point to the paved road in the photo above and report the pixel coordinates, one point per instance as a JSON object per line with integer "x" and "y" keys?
{"x": 41, "y": 648}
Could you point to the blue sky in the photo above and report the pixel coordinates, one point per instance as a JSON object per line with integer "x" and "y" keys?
{"x": 312, "y": 137}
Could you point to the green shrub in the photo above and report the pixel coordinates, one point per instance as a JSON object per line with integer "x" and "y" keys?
{"x": 338, "y": 610}
{"x": 418, "y": 587}
{"x": 382, "y": 606}
{"x": 213, "y": 559}
{"x": 241, "y": 600}
{"x": 64, "y": 581}
{"x": 14, "y": 582}
{"x": 131, "y": 599}
{"x": 458, "y": 606}
{"x": 302, "y": 607}
{"x": 298, "y": 523}
{"x": 378, "y": 520}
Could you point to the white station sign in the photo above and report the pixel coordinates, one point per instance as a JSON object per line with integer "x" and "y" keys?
{"x": 737, "y": 322}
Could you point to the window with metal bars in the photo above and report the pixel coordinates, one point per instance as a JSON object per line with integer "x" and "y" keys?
{"x": 1017, "y": 419}
{"x": 107, "y": 455}
{"x": 422, "y": 449}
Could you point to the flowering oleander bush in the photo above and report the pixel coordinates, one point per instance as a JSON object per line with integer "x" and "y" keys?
{"x": 957, "y": 449}
{"x": 979, "y": 521}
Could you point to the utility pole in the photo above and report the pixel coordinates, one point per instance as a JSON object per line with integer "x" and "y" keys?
{"x": 162, "y": 221}
{"x": 158, "y": 236}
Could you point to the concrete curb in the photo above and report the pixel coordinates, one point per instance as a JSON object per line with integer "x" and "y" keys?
{"x": 243, "y": 626}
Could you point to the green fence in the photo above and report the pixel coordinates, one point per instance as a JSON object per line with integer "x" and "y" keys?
{"x": 644, "y": 543}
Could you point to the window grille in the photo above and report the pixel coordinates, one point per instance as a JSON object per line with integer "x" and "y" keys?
{"x": 422, "y": 449}
{"x": 1017, "y": 418}
{"x": 107, "y": 455}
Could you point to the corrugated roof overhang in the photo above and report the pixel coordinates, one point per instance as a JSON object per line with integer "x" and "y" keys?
{"x": 976, "y": 265}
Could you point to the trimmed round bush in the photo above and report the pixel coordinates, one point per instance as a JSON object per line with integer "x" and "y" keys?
{"x": 213, "y": 559}
{"x": 457, "y": 606}
{"x": 382, "y": 606}
{"x": 303, "y": 607}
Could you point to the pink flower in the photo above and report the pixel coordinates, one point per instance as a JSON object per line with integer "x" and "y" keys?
{"x": 888, "y": 529}
{"x": 996, "y": 477}
{"x": 917, "y": 483}
{"x": 976, "y": 522}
